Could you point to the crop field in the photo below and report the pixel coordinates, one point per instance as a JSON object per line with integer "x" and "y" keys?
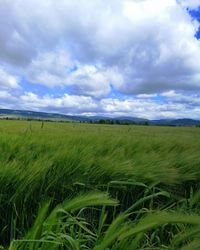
{"x": 71, "y": 186}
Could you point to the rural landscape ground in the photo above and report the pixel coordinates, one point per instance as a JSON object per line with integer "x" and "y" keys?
{"x": 84, "y": 186}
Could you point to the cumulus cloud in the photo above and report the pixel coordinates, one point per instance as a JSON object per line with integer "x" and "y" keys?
{"x": 5, "y": 95}
{"x": 150, "y": 42}
{"x": 172, "y": 105}
{"x": 7, "y": 80}
{"x": 189, "y": 100}
{"x": 58, "y": 69}
{"x": 133, "y": 48}
{"x": 192, "y": 4}
{"x": 7, "y": 100}
{"x": 66, "y": 103}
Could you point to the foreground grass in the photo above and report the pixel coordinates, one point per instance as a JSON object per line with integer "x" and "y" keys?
{"x": 75, "y": 186}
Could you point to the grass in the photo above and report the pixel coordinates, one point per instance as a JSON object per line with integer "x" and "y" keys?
{"x": 81, "y": 186}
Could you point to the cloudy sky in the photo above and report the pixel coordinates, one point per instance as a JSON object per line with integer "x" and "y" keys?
{"x": 101, "y": 57}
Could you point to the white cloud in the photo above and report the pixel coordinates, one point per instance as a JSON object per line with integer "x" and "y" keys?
{"x": 192, "y": 4}
{"x": 135, "y": 10}
{"x": 4, "y": 95}
{"x": 142, "y": 96}
{"x": 58, "y": 69}
{"x": 174, "y": 105}
{"x": 64, "y": 104}
{"x": 150, "y": 43}
{"x": 97, "y": 48}
{"x": 188, "y": 99}
{"x": 8, "y": 80}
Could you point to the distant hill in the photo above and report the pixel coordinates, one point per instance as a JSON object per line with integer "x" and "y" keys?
{"x": 35, "y": 115}
{"x": 176, "y": 122}
{"x": 26, "y": 114}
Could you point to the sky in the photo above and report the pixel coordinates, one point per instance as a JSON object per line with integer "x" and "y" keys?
{"x": 137, "y": 58}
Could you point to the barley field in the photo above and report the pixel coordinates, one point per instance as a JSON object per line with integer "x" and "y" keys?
{"x": 83, "y": 186}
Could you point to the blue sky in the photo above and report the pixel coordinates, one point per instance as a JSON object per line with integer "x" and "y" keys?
{"x": 99, "y": 57}
{"x": 195, "y": 13}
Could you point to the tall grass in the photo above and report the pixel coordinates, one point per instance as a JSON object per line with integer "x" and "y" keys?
{"x": 81, "y": 186}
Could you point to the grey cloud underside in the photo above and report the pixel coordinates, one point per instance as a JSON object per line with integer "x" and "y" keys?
{"x": 133, "y": 47}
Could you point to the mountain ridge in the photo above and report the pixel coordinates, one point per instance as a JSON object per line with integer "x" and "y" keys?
{"x": 27, "y": 114}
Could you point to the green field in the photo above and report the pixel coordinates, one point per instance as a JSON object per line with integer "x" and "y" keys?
{"x": 81, "y": 186}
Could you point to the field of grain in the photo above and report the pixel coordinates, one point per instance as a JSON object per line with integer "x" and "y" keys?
{"x": 83, "y": 186}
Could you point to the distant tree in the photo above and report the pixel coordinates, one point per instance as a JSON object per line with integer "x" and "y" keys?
{"x": 108, "y": 121}
{"x": 102, "y": 121}
{"x": 117, "y": 122}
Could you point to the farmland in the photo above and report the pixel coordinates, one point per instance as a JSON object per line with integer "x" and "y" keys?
{"x": 85, "y": 186}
